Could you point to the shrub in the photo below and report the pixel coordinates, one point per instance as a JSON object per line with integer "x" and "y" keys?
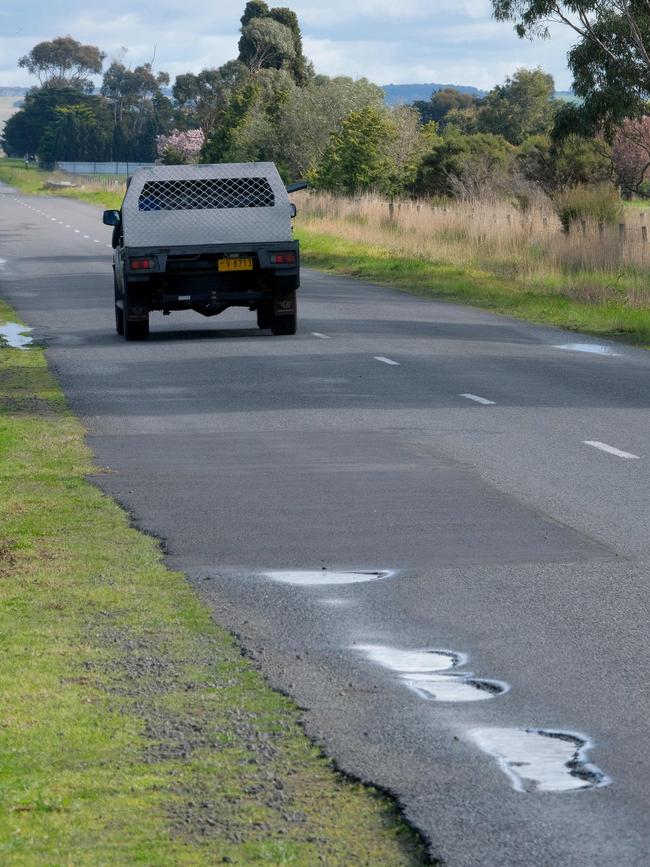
{"x": 600, "y": 205}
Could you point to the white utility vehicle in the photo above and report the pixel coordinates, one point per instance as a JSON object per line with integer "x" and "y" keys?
{"x": 205, "y": 238}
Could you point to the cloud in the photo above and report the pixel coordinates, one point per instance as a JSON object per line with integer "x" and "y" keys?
{"x": 401, "y": 41}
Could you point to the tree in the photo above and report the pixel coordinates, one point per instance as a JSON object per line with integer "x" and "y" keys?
{"x": 521, "y": 107}
{"x": 140, "y": 109}
{"x": 219, "y": 146}
{"x": 78, "y": 132}
{"x": 631, "y": 154}
{"x": 611, "y": 59}
{"x": 64, "y": 62}
{"x": 203, "y": 98}
{"x": 442, "y": 102}
{"x": 25, "y": 130}
{"x": 466, "y": 165}
{"x": 271, "y": 38}
{"x": 266, "y": 44}
{"x": 582, "y": 161}
{"x": 309, "y": 116}
{"x": 357, "y": 159}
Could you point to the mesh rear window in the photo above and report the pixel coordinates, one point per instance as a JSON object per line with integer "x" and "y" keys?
{"x": 206, "y": 194}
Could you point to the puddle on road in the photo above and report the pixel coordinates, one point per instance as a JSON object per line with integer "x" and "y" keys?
{"x": 411, "y": 661}
{"x": 324, "y": 577}
{"x": 593, "y": 348}
{"x": 445, "y": 688}
{"x": 541, "y": 760}
{"x": 432, "y": 675}
{"x": 14, "y": 335}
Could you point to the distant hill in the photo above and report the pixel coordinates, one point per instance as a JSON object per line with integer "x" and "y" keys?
{"x": 13, "y": 91}
{"x": 405, "y": 94}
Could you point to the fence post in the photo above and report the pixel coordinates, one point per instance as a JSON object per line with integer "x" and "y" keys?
{"x": 509, "y": 219}
{"x": 644, "y": 234}
{"x": 621, "y": 231}
{"x": 583, "y": 226}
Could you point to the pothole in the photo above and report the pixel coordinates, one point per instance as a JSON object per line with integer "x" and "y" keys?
{"x": 541, "y": 760}
{"x": 411, "y": 661}
{"x": 452, "y": 688}
{"x": 593, "y": 348}
{"x": 324, "y": 577}
{"x": 432, "y": 674}
{"x": 14, "y": 335}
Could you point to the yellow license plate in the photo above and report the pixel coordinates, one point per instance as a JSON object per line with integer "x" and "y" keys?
{"x": 235, "y": 264}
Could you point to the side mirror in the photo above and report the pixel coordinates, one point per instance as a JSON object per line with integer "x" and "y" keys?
{"x": 294, "y": 210}
{"x": 112, "y": 218}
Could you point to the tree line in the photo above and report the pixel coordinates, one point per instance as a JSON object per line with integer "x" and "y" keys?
{"x": 269, "y": 103}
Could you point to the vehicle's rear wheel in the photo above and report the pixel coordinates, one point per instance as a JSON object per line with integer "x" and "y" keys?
{"x": 265, "y": 314}
{"x": 119, "y": 313}
{"x": 285, "y": 314}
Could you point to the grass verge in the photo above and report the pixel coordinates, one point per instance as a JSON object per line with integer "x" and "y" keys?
{"x": 31, "y": 180}
{"x": 480, "y": 288}
{"x": 133, "y": 730}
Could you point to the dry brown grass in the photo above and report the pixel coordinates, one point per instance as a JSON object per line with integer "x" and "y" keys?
{"x": 592, "y": 263}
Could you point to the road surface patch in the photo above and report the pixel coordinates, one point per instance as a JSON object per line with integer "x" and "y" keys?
{"x": 541, "y": 760}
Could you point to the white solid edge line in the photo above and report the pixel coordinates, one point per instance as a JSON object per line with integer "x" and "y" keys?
{"x": 482, "y": 400}
{"x": 603, "y": 447}
{"x": 386, "y": 360}
{"x": 320, "y": 336}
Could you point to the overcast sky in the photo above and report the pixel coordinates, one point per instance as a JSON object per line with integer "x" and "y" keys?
{"x": 388, "y": 41}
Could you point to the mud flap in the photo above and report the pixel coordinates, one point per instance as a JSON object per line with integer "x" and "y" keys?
{"x": 285, "y": 305}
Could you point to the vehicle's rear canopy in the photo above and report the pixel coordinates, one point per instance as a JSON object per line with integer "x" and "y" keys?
{"x": 237, "y": 203}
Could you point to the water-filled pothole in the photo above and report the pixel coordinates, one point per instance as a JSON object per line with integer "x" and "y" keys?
{"x": 433, "y": 675}
{"x": 15, "y": 335}
{"x": 454, "y": 688}
{"x": 541, "y": 760}
{"x": 593, "y": 348}
{"x": 324, "y": 577}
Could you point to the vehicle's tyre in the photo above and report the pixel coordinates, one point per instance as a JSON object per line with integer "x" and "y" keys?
{"x": 285, "y": 315}
{"x": 265, "y": 314}
{"x": 119, "y": 313}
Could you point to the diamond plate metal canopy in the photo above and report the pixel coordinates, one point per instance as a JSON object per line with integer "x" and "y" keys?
{"x": 238, "y": 203}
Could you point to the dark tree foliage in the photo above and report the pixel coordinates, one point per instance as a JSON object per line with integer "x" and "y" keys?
{"x": 219, "y": 144}
{"x": 25, "y": 130}
{"x": 64, "y": 62}
{"x": 521, "y": 107}
{"x": 611, "y": 59}
{"x": 456, "y": 158}
{"x": 272, "y": 56}
{"x": 78, "y": 132}
{"x": 203, "y": 98}
{"x": 442, "y": 102}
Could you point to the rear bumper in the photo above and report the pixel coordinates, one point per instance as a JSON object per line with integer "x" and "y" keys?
{"x": 188, "y": 277}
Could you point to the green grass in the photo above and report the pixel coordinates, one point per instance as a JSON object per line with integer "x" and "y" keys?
{"x": 31, "y": 180}
{"x": 547, "y": 304}
{"x": 133, "y": 731}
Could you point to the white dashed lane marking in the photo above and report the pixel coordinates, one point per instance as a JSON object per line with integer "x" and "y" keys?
{"x": 386, "y": 360}
{"x": 320, "y": 336}
{"x": 611, "y": 450}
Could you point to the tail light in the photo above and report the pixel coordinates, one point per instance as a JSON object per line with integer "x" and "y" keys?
{"x": 283, "y": 258}
{"x": 142, "y": 264}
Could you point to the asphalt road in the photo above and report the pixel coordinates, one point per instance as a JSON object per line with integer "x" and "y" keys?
{"x": 508, "y": 534}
